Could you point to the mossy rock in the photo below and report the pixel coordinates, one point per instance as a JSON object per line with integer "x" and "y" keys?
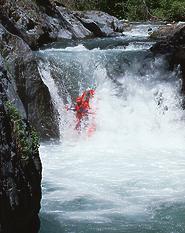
{"x": 27, "y": 140}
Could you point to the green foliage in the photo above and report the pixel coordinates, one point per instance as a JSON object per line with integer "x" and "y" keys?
{"x": 177, "y": 11}
{"x": 26, "y": 138}
{"x": 160, "y": 13}
{"x": 35, "y": 140}
{"x": 81, "y": 4}
{"x": 134, "y": 9}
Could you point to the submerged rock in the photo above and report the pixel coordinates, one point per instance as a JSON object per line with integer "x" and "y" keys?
{"x": 20, "y": 167}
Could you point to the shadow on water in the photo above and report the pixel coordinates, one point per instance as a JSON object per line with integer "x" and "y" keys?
{"x": 101, "y": 43}
{"x": 50, "y": 225}
{"x": 168, "y": 218}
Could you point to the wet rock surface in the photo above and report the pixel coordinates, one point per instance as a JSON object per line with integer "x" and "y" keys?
{"x": 36, "y": 23}
{"x": 173, "y": 47}
{"x": 100, "y": 23}
{"x": 75, "y": 29}
{"x": 166, "y": 31}
{"x": 20, "y": 167}
{"x": 23, "y": 71}
{"x": 41, "y": 22}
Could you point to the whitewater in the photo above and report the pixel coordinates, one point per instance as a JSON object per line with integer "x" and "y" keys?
{"x": 128, "y": 176}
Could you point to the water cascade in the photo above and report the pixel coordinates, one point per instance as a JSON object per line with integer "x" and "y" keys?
{"x": 128, "y": 175}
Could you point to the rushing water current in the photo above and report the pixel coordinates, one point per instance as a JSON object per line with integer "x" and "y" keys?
{"x": 128, "y": 176}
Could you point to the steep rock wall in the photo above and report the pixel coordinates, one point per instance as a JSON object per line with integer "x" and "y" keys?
{"x": 20, "y": 167}
{"x": 24, "y": 74}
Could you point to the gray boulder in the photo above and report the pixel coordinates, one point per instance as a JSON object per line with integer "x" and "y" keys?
{"x": 35, "y": 23}
{"x": 167, "y": 30}
{"x": 101, "y": 23}
{"x": 74, "y": 28}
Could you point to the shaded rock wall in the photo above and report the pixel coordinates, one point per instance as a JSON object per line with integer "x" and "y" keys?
{"x": 20, "y": 167}
{"x": 24, "y": 74}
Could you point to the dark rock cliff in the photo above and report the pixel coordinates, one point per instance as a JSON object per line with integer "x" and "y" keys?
{"x": 20, "y": 166}
{"x": 23, "y": 71}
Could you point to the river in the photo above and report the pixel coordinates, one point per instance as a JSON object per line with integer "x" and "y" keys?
{"x": 128, "y": 176}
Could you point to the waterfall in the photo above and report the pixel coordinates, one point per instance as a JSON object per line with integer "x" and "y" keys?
{"x": 128, "y": 175}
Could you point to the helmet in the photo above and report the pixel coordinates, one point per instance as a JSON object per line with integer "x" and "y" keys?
{"x": 87, "y": 95}
{"x": 91, "y": 92}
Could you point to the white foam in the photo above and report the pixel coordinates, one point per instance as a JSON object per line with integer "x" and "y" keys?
{"x": 78, "y": 48}
{"x": 133, "y": 162}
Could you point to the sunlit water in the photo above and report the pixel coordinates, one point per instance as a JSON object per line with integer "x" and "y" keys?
{"x": 128, "y": 176}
